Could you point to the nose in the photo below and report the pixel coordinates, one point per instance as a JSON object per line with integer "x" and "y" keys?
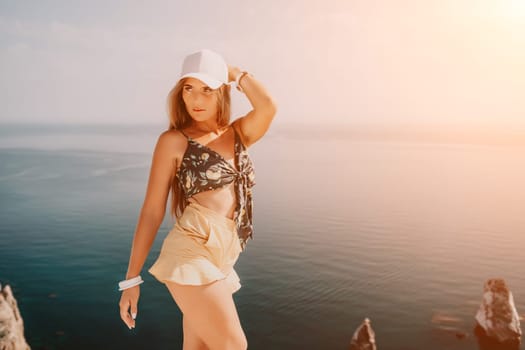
{"x": 197, "y": 98}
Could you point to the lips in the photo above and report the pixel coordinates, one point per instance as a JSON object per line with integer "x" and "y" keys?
{"x": 198, "y": 110}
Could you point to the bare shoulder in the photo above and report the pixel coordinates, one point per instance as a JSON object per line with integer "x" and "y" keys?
{"x": 168, "y": 152}
{"x": 171, "y": 144}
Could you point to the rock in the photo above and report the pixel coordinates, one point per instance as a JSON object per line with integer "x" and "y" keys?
{"x": 364, "y": 337}
{"x": 11, "y": 323}
{"x": 497, "y": 316}
{"x": 487, "y": 343}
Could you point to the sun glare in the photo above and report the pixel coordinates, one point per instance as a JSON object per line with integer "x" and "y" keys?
{"x": 514, "y": 9}
{"x": 504, "y": 9}
{"x": 518, "y": 8}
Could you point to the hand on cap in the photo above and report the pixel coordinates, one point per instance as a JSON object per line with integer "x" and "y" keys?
{"x": 233, "y": 71}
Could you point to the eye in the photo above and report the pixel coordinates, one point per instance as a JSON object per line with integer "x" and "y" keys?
{"x": 187, "y": 88}
{"x": 207, "y": 89}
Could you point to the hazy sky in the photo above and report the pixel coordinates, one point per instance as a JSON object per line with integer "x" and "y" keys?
{"x": 428, "y": 61}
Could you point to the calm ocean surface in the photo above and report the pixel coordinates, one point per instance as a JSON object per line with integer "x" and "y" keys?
{"x": 398, "y": 232}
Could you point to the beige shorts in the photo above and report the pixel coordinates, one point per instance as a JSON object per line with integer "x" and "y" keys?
{"x": 202, "y": 247}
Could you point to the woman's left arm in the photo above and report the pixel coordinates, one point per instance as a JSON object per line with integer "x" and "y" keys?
{"x": 255, "y": 123}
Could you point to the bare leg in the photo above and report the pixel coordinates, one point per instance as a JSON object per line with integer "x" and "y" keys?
{"x": 191, "y": 339}
{"x": 210, "y": 312}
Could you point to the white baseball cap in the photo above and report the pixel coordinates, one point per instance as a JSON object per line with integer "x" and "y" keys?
{"x": 207, "y": 66}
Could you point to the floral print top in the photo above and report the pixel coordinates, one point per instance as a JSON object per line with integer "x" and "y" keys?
{"x": 204, "y": 169}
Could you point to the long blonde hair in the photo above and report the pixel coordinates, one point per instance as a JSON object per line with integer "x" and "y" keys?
{"x": 179, "y": 118}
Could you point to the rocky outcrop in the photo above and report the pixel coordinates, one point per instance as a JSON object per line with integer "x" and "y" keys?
{"x": 364, "y": 337}
{"x": 11, "y": 323}
{"x": 497, "y": 317}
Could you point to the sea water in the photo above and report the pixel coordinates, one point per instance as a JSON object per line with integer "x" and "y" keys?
{"x": 399, "y": 232}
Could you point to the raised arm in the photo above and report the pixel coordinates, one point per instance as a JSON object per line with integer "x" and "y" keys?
{"x": 255, "y": 123}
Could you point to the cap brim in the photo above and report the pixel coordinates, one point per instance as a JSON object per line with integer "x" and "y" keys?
{"x": 206, "y": 79}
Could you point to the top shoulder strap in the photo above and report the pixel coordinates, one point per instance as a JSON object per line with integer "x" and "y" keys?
{"x": 238, "y": 139}
{"x": 183, "y": 133}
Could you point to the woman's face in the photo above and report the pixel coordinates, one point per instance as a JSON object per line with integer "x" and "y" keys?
{"x": 200, "y": 100}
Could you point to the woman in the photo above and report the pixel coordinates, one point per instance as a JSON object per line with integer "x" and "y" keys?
{"x": 202, "y": 159}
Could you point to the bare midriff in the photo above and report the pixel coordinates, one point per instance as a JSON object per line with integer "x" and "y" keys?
{"x": 222, "y": 200}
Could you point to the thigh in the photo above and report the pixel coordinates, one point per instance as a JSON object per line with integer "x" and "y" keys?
{"x": 210, "y": 311}
{"x": 191, "y": 340}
